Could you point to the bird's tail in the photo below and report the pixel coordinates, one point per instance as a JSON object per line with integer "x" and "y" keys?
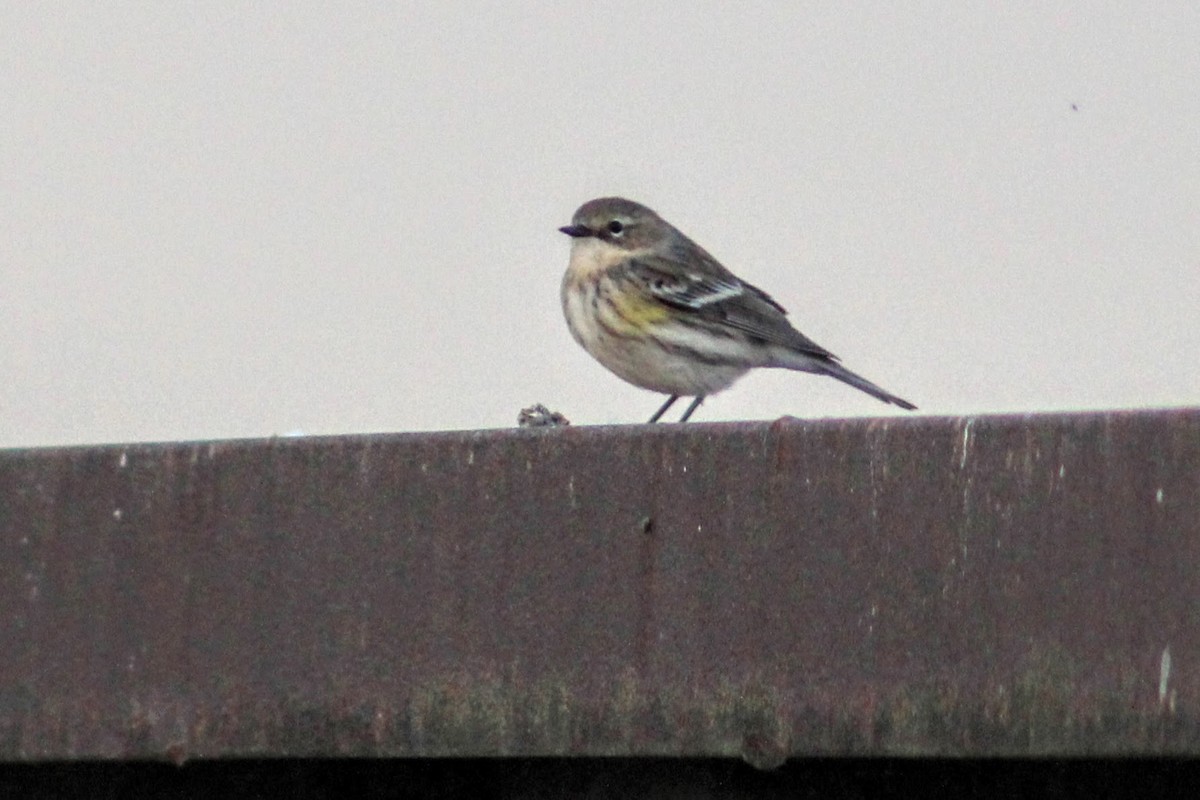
{"x": 836, "y": 370}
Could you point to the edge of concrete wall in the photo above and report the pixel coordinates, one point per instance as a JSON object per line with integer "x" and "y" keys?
{"x": 992, "y": 585}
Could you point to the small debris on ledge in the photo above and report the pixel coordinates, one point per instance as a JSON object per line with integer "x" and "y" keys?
{"x": 538, "y": 416}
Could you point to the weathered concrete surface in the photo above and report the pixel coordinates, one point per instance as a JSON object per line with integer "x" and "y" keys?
{"x": 994, "y": 585}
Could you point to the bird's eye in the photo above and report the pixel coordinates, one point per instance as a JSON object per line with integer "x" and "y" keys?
{"x": 615, "y": 227}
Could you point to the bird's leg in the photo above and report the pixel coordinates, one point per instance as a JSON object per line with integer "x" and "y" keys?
{"x": 670, "y": 402}
{"x": 695, "y": 404}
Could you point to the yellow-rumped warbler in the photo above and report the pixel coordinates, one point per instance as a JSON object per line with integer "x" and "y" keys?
{"x": 660, "y": 312}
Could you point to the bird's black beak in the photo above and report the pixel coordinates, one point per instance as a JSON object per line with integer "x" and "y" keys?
{"x": 577, "y": 231}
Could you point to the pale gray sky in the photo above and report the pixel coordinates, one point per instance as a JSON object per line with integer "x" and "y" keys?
{"x": 243, "y": 219}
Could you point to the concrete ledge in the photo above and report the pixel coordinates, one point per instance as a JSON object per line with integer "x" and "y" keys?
{"x": 984, "y": 586}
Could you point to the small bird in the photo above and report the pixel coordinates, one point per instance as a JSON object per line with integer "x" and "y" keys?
{"x": 657, "y": 310}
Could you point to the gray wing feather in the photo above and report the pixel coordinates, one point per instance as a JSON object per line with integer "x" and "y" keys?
{"x": 689, "y": 279}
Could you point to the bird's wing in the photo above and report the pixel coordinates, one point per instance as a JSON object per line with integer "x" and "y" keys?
{"x": 693, "y": 281}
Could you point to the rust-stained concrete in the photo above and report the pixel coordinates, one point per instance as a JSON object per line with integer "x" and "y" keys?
{"x": 990, "y": 585}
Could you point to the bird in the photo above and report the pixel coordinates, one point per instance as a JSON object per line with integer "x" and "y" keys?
{"x": 659, "y": 312}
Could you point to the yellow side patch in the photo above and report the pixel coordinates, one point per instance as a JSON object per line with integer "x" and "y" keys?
{"x": 635, "y": 312}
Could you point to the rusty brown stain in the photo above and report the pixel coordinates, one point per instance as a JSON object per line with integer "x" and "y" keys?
{"x": 991, "y": 585}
